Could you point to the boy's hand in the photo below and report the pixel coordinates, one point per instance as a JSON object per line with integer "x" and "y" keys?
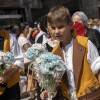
{"x": 44, "y": 95}
{"x": 3, "y": 79}
{"x": 79, "y": 28}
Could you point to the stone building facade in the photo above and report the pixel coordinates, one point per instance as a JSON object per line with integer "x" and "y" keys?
{"x": 91, "y": 8}
{"x": 16, "y": 11}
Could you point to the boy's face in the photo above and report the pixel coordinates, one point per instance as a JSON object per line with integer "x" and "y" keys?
{"x": 59, "y": 31}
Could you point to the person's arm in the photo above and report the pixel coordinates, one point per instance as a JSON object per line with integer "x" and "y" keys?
{"x": 19, "y": 61}
{"x": 8, "y": 73}
{"x": 93, "y": 57}
{"x": 23, "y": 43}
{"x": 26, "y": 46}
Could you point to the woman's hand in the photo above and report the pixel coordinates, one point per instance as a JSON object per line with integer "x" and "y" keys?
{"x": 79, "y": 28}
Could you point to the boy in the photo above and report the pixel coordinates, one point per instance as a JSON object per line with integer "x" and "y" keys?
{"x": 80, "y": 55}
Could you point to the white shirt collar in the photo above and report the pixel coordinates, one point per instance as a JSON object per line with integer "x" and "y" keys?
{"x": 68, "y": 45}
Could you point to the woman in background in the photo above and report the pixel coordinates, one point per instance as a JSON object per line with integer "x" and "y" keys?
{"x": 80, "y": 18}
{"x": 24, "y": 44}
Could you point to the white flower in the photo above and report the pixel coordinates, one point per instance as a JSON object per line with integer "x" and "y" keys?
{"x": 53, "y": 43}
{"x": 38, "y": 46}
{"x": 48, "y": 67}
{"x": 38, "y": 60}
{"x": 6, "y": 60}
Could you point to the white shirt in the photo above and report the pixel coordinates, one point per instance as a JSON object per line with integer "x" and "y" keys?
{"x": 38, "y": 35}
{"x": 45, "y": 37}
{"x": 21, "y": 42}
{"x": 14, "y": 48}
{"x": 92, "y": 57}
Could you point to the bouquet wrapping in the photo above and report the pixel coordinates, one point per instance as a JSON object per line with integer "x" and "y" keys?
{"x": 47, "y": 66}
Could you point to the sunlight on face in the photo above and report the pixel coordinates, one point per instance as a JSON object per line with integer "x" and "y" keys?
{"x": 59, "y": 31}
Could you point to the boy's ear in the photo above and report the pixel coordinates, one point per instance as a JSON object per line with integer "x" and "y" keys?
{"x": 70, "y": 25}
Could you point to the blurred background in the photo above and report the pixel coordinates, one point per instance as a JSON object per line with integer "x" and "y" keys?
{"x": 17, "y": 11}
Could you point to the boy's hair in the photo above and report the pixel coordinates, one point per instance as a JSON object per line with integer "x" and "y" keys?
{"x": 59, "y": 14}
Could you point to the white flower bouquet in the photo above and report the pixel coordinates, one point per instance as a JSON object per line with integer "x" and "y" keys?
{"x": 6, "y": 60}
{"x": 48, "y": 66}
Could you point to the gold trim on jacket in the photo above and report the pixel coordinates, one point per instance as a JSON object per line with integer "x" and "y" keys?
{"x": 85, "y": 80}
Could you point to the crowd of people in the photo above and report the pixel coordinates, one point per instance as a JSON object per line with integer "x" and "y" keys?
{"x": 80, "y": 49}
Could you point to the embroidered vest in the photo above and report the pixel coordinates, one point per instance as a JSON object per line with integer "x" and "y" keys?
{"x": 85, "y": 80}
